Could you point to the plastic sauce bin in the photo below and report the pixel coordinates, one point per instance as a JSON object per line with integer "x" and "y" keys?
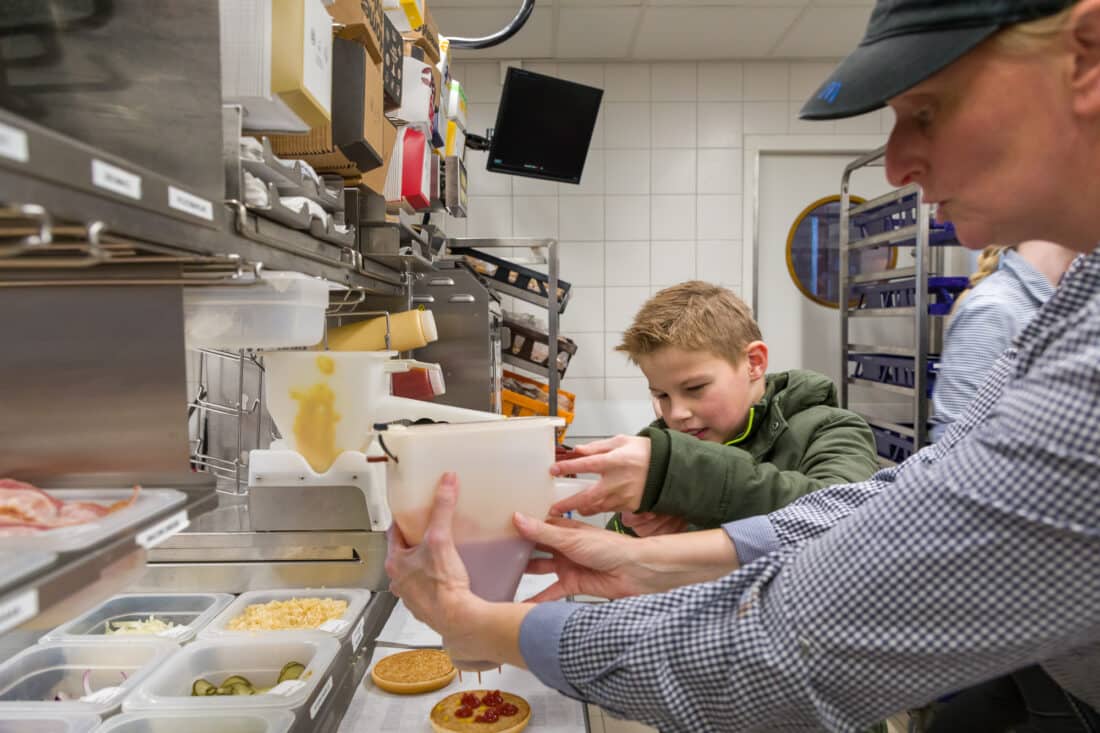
{"x": 30, "y": 680}
{"x": 258, "y": 659}
{"x": 188, "y": 611}
{"x": 251, "y": 721}
{"x": 47, "y": 723}
{"x": 349, "y": 626}
{"x": 285, "y": 309}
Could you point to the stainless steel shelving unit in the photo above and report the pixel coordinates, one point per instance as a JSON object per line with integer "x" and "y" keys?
{"x": 926, "y": 262}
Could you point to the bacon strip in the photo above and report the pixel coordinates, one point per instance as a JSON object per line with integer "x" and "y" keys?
{"x": 25, "y": 509}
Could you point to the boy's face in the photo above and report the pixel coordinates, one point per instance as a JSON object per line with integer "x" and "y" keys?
{"x": 703, "y": 394}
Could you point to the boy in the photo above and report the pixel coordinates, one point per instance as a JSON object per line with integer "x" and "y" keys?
{"x": 732, "y": 441}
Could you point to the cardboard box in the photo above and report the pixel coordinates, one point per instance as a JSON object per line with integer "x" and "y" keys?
{"x": 392, "y": 65}
{"x": 361, "y": 21}
{"x": 418, "y": 39}
{"x": 301, "y": 59}
{"x": 376, "y": 179}
{"x": 351, "y": 145}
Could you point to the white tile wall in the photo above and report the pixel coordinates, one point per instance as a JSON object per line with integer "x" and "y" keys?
{"x": 660, "y": 201}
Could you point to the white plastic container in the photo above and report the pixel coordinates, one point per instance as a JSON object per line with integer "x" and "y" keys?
{"x": 503, "y": 467}
{"x": 190, "y": 612}
{"x": 286, "y": 309}
{"x": 30, "y": 680}
{"x": 47, "y": 723}
{"x": 257, "y": 658}
{"x": 349, "y": 626}
{"x": 246, "y": 721}
{"x": 81, "y": 536}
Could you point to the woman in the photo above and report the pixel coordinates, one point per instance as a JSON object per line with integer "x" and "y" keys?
{"x": 997, "y": 108}
{"x": 1006, "y": 291}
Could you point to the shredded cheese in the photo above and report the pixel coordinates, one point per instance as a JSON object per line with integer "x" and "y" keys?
{"x": 297, "y": 613}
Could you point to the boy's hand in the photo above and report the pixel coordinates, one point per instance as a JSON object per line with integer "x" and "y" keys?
{"x": 649, "y": 524}
{"x": 622, "y": 463}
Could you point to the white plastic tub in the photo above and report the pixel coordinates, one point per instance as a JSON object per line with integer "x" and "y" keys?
{"x": 82, "y": 536}
{"x": 286, "y": 309}
{"x": 47, "y": 723}
{"x": 190, "y": 612}
{"x": 251, "y": 721}
{"x": 259, "y": 659}
{"x": 349, "y": 626}
{"x": 30, "y": 680}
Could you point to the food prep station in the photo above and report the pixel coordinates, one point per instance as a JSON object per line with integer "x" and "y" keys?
{"x": 149, "y": 304}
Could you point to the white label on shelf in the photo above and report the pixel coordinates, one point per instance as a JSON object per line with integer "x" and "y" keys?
{"x": 161, "y": 531}
{"x": 101, "y": 697}
{"x": 116, "y": 180}
{"x": 317, "y": 54}
{"x": 357, "y": 635}
{"x": 335, "y": 626}
{"x": 316, "y": 706}
{"x": 15, "y": 611}
{"x": 13, "y": 143}
{"x": 286, "y": 688}
{"x": 189, "y": 203}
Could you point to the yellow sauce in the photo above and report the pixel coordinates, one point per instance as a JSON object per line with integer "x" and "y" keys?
{"x": 326, "y": 365}
{"x": 315, "y": 424}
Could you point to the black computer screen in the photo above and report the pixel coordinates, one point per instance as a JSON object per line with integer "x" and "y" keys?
{"x": 544, "y": 127}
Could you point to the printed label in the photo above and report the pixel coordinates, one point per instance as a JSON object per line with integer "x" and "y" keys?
{"x": 15, "y": 611}
{"x": 13, "y": 143}
{"x": 114, "y": 179}
{"x": 286, "y": 688}
{"x": 189, "y": 203}
{"x": 357, "y": 635}
{"x": 317, "y": 54}
{"x": 316, "y": 706}
{"x": 161, "y": 531}
{"x": 335, "y": 626}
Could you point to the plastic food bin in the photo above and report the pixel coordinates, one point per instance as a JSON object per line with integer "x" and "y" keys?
{"x": 285, "y": 309}
{"x": 188, "y": 611}
{"x": 349, "y": 626}
{"x": 259, "y": 659}
{"x": 250, "y": 721}
{"x": 47, "y": 723}
{"x": 82, "y": 536}
{"x": 30, "y": 679}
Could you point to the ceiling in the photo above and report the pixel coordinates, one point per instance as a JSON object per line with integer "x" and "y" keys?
{"x": 651, "y": 30}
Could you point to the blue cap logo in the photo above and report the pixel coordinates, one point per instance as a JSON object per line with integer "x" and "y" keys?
{"x": 830, "y": 92}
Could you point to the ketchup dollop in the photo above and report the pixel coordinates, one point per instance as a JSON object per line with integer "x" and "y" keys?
{"x": 507, "y": 709}
{"x": 493, "y": 699}
{"x": 470, "y": 700}
{"x": 464, "y": 712}
{"x": 489, "y": 716}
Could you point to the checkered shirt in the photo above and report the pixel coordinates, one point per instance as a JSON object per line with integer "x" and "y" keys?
{"x": 980, "y": 559}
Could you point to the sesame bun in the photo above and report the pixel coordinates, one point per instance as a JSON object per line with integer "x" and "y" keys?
{"x": 444, "y": 721}
{"x": 414, "y": 672}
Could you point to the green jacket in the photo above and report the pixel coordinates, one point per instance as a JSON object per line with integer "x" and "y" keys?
{"x": 798, "y": 441}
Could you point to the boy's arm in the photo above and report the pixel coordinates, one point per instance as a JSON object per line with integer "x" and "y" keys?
{"x": 709, "y": 484}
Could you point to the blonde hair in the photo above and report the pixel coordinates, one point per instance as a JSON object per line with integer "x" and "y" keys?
{"x": 988, "y": 262}
{"x": 694, "y": 316}
{"x": 1033, "y": 36}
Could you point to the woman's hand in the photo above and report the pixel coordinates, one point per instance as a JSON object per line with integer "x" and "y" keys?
{"x": 623, "y": 464}
{"x": 649, "y": 524}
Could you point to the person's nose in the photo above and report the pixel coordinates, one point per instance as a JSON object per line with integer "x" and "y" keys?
{"x": 904, "y": 162}
{"x": 678, "y": 410}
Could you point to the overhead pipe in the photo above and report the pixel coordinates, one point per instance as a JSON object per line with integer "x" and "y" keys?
{"x": 500, "y": 36}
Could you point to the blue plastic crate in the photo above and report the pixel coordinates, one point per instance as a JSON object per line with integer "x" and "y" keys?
{"x": 892, "y": 446}
{"x": 895, "y": 215}
{"x": 891, "y": 369}
{"x": 942, "y": 293}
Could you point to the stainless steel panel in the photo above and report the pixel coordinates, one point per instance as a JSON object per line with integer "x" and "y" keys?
{"x": 307, "y": 508}
{"x": 138, "y": 79}
{"x": 92, "y": 380}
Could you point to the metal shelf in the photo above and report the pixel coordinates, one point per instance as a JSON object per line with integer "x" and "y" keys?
{"x": 883, "y": 275}
{"x": 883, "y": 200}
{"x": 878, "y": 422}
{"x": 901, "y": 236}
{"x": 895, "y": 389}
{"x": 108, "y": 567}
{"x": 876, "y": 349}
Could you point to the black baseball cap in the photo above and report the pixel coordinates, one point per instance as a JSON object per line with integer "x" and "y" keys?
{"x": 908, "y": 41}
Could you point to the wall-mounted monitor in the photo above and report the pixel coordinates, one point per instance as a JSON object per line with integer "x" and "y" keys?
{"x": 544, "y": 127}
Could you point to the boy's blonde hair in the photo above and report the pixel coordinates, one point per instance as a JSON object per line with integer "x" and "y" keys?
{"x": 694, "y": 316}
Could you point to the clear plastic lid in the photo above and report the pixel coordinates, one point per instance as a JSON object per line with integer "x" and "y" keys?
{"x": 82, "y": 536}
{"x": 90, "y": 677}
{"x": 348, "y": 625}
{"x": 186, "y": 613}
{"x": 47, "y": 723}
{"x": 178, "y": 721}
{"x": 258, "y": 659}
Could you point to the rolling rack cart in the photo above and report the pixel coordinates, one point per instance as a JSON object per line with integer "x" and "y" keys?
{"x": 919, "y": 293}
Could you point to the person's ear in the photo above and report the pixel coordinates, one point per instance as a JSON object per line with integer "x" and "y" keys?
{"x": 1084, "y": 40}
{"x": 756, "y": 354}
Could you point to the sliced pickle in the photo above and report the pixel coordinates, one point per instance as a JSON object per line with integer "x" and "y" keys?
{"x": 202, "y": 688}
